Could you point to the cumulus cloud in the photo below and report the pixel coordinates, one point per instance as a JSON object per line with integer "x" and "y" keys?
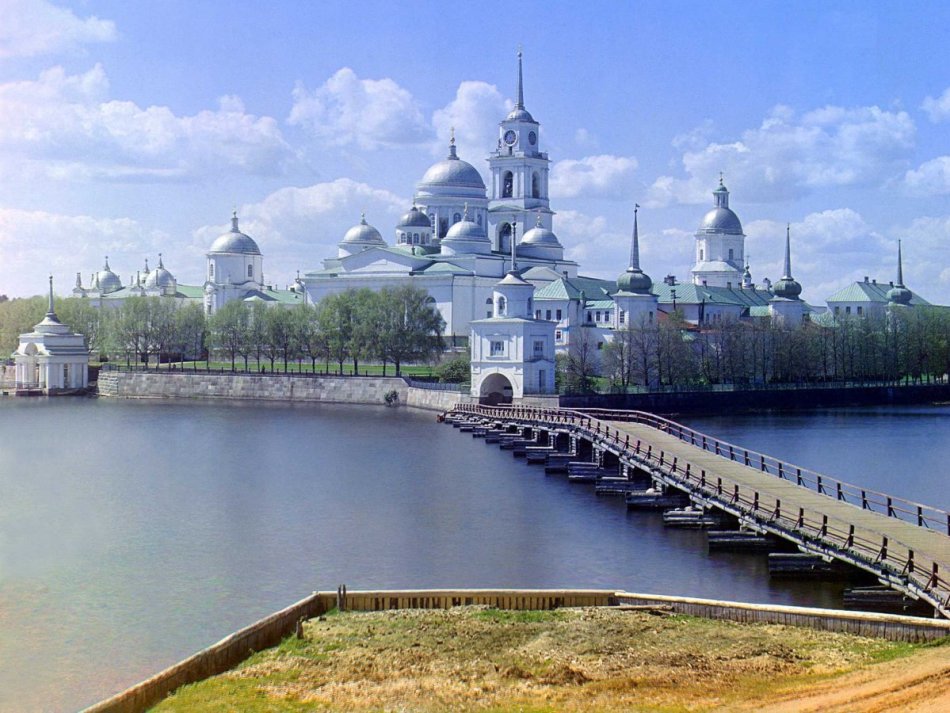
{"x": 37, "y": 27}
{"x": 66, "y": 127}
{"x": 366, "y": 113}
{"x": 35, "y": 243}
{"x": 791, "y": 155}
{"x": 474, "y": 114}
{"x": 938, "y": 109}
{"x": 602, "y": 176}
{"x": 296, "y": 228}
{"x": 929, "y": 179}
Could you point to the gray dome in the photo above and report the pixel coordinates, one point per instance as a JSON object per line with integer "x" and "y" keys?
{"x": 721, "y": 220}
{"x": 520, "y": 115}
{"x": 465, "y": 229}
{"x": 634, "y": 280}
{"x": 415, "y": 218}
{"x": 363, "y": 233}
{"x": 107, "y": 280}
{"x": 235, "y": 241}
{"x": 160, "y": 277}
{"x": 788, "y": 288}
{"x": 453, "y": 171}
{"x": 540, "y": 236}
{"x": 899, "y": 295}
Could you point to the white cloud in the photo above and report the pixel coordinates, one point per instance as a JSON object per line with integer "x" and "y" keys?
{"x": 296, "y": 228}
{"x": 35, "y": 243}
{"x": 789, "y": 155}
{"x": 37, "y": 27}
{"x": 930, "y": 179}
{"x": 938, "y": 109}
{"x": 585, "y": 139}
{"x": 474, "y": 113}
{"x": 367, "y": 113}
{"x": 602, "y": 176}
{"x": 65, "y": 127}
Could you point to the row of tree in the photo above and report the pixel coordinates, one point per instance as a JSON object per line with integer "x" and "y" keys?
{"x": 396, "y": 325}
{"x": 904, "y": 345}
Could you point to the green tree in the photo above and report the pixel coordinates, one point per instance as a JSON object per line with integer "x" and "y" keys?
{"x": 229, "y": 329}
{"x": 411, "y": 326}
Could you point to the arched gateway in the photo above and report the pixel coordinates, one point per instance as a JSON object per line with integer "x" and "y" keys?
{"x": 495, "y": 389}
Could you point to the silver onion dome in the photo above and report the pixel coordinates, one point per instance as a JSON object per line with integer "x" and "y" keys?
{"x": 159, "y": 278}
{"x": 721, "y": 220}
{"x": 234, "y": 241}
{"x": 363, "y": 233}
{"x": 452, "y": 171}
{"x": 539, "y": 235}
{"x": 415, "y": 218}
{"x": 106, "y": 280}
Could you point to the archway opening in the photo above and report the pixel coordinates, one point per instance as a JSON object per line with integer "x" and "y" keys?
{"x": 495, "y": 389}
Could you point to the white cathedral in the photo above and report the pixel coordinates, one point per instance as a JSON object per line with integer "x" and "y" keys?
{"x": 461, "y": 239}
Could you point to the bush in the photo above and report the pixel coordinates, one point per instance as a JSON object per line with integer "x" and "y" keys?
{"x": 455, "y": 370}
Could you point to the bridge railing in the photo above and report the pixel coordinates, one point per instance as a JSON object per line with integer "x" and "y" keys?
{"x": 898, "y": 559}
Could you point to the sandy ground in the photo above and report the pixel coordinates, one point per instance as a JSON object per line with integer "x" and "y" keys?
{"x": 919, "y": 683}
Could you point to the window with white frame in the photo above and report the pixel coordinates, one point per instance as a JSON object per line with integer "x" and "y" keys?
{"x": 539, "y": 347}
{"x": 497, "y": 348}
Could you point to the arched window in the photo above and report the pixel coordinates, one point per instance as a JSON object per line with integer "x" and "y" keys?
{"x": 443, "y": 227}
{"x": 507, "y": 184}
{"x": 501, "y": 306}
{"x": 456, "y": 218}
{"x": 488, "y": 308}
{"x": 535, "y": 186}
{"x": 250, "y": 271}
{"x": 700, "y": 253}
{"x": 730, "y": 253}
{"x": 478, "y": 218}
{"x": 415, "y": 238}
{"x": 210, "y": 270}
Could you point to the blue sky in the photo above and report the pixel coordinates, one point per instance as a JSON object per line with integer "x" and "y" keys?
{"x": 129, "y": 129}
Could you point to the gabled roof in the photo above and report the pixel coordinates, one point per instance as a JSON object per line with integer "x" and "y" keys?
{"x": 690, "y": 293}
{"x": 279, "y": 296}
{"x": 870, "y": 292}
{"x": 443, "y": 268}
{"x": 571, "y": 288}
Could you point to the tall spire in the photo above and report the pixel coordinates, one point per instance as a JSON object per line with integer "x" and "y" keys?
{"x": 900, "y": 266}
{"x": 234, "y": 222}
{"x": 50, "y": 312}
{"x": 635, "y": 243}
{"x": 520, "y": 104}
{"x": 787, "y": 275}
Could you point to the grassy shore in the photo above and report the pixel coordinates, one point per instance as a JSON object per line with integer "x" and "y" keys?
{"x": 478, "y": 659}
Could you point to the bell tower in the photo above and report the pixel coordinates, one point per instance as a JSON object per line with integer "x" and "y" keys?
{"x": 519, "y": 176}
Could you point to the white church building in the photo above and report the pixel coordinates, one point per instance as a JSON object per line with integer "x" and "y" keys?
{"x": 51, "y": 358}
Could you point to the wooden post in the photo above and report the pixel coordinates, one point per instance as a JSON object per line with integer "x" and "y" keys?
{"x": 849, "y": 543}
{"x": 781, "y": 471}
{"x": 755, "y": 500}
{"x": 778, "y": 509}
{"x": 864, "y": 500}
{"x": 821, "y": 490}
{"x": 718, "y": 486}
{"x": 840, "y": 490}
{"x": 801, "y": 518}
{"x": 824, "y": 526}
{"x": 890, "y": 507}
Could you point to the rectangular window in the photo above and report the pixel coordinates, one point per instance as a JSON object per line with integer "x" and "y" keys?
{"x": 210, "y": 270}
{"x": 538, "y": 348}
{"x": 250, "y": 271}
{"x": 847, "y": 310}
{"x": 600, "y": 345}
{"x": 837, "y": 310}
{"x": 557, "y": 335}
{"x": 497, "y": 348}
{"x": 622, "y": 315}
{"x": 547, "y": 315}
{"x": 859, "y": 310}
{"x": 537, "y": 314}
{"x": 558, "y": 315}
{"x": 597, "y": 317}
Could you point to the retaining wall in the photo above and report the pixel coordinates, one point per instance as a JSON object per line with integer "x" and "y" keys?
{"x": 434, "y": 400}
{"x": 198, "y": 385}
{"x": 267, "y": 632}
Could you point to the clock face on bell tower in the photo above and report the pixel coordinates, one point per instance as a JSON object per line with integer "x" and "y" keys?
{"x": 510, "y": 137}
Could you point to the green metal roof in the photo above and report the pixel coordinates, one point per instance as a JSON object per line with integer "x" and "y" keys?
{"x": 193, "y": 292}
{"x": 689, "y": 293}
{"x": 571, "y": 288}
{"x": 870, "y": 292}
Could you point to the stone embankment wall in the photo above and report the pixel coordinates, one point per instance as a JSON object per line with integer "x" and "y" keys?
{"x": 7, "y": 376}
{"x": 272, "y": 387}
{"x": 198, "y": 385}
{"x": 267, "y": 632}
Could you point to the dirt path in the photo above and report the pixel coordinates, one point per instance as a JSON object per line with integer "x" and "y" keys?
{"x": 918, "y": 684}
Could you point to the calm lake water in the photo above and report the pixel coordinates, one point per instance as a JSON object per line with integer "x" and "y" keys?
{"x": 134, "y": 533}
